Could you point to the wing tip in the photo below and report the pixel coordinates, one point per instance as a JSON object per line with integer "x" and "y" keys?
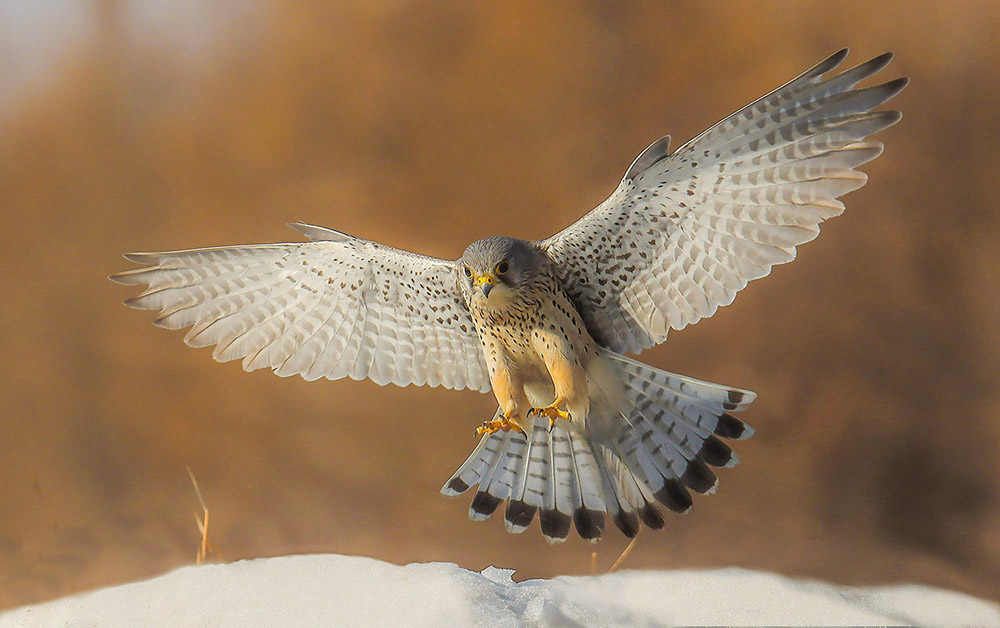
{"x": 134, "y": 302}
{"x": 654, "y": 153}
{"x": 140, "y": 257}
{"x": 888, "y": 117}
{"x": 126, "y": 278}
{"x": 879, "y": 62}
{"x": 829, "y": 63}
{"x": 895, "y": 86}
{"x": 317, "y": 233}
{"x": 163, "y": 320}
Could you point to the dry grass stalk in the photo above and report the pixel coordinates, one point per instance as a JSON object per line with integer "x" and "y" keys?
{"x": 206, "y": 544}
{"x": 628, "y": 548}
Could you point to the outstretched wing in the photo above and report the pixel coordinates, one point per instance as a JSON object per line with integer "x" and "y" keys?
{"x": 335, "y": 307}
{"x": 685, "y": 231}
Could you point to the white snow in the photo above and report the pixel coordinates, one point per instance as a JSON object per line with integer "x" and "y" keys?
{"x": 332, "y": 590}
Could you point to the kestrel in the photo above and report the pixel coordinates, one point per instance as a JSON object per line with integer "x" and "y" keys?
{"x": 582, "y": 430}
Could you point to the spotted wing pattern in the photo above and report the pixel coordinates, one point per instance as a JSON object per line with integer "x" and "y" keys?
{"x": 335, "y": 307}
{"x": 685, "y": 231}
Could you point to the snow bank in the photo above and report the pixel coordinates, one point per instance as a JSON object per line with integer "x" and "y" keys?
{"x": 331, "y": 590}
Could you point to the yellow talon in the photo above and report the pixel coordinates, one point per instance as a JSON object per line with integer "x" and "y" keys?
{"x": 551, "y": 413}
{"x": 503, "y": 423}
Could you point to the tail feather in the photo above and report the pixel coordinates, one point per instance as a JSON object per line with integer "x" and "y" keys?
{"x": 690, "y": 438}
{"x": 671, "y": 460}
{"x": 474, "y": 467}
{"x": 670, "y": 444}
{"x": 566, "y": 498}
{"x": 551, "y": 477}
{"x": 502, "y": 484}
{"x": 518, "y": 514}
{"x": 537, "y": 484}
{"x": 701, "y": 404}
{"x": 667, "y": 385}
{"x": 652, "y": 451}
{"x": 484, "y": 503}
{"x": 657, "y": 483}
{"x": 616, "y": 483}
{"x": 588, "y": 515}
{"x": 647, "y": 511}
{"x": 631, "y": 485}
{"x": 716, "y": 453}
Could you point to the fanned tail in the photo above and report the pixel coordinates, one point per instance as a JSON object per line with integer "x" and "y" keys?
{"x": 552, "y": 473}
{"x": 654, "y": 450}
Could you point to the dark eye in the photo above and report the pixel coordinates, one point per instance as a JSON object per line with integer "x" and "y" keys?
{"x": 468, "y": 273}
{"x": 502, "y": 268}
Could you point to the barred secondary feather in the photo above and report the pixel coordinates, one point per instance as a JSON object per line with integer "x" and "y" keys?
{"x": 582, "y": 432}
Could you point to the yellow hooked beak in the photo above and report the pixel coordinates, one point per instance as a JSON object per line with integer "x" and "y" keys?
{"x": 485, "y": 283}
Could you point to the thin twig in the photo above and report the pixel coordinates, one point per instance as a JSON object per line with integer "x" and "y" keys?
{"x": 628, "y": 548}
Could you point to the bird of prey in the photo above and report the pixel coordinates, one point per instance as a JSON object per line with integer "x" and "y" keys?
{"x": 582, "y": 431}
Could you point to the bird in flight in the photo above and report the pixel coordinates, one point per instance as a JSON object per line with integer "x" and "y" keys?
{"x": 582, "y": 431}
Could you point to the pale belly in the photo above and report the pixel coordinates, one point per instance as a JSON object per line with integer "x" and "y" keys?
{"x": 549, "y": 363}
{"x": 540, "y": 355}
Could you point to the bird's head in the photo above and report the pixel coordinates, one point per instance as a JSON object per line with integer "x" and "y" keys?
{"x": 495, "y": 269}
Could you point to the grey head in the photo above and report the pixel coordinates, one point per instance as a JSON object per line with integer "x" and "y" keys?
{"x": 499, "y": 266}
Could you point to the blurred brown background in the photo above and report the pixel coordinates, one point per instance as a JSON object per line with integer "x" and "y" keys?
{"x": 151, "y": 125}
